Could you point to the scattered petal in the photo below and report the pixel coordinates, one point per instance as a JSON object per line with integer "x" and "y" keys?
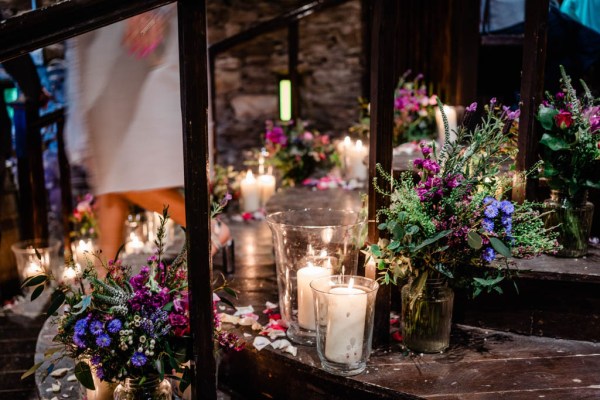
{"x": 243, "y": 310}
{"x": 251, "y": 315}
{"x": 56, "y": 387}
{"x": 247, "y": 334}
{"x": 247, "y": 321}
{"x": 59, "y": 373}
{"x": 71, "y": 378}
{"x": 292, "y": 350}
{"x": 271, "y": 306}
{"x": 257, "y": 326}
{"x": 281, "y": 344}
{"x": 260, "y": 342}
{"x": 229, "y": 318}
{"x": 397, "y": 336}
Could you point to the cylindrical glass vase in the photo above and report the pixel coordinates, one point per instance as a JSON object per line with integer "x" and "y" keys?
{"x": 151, "y": 388}
{"x": 30, "y": 264}
{"x": 344, "y": 312}
{"x": 427, "y": 316}
{"x": 309, "y": 244}
{"x": 573, "y": 219}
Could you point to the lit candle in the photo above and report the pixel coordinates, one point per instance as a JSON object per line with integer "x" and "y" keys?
{"x": 306, "y": 307}
{"x": 261, "y": 164}
{"x": 250, "y": 193}
{"x": 266, "y": 185}
{"x": 70, "y": 274}
{"x": 346, "y": 317}
{"x": 135, "y": 245}
{"x": 452, "y": 122}
{"x": 357, "y": 168}
{"x": 32, "y": 269}
{"x": 83, "y": 247}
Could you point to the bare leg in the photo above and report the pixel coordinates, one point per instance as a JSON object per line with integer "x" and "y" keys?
{"x": 156, "y": 200}
{"x": 112, "y": 213}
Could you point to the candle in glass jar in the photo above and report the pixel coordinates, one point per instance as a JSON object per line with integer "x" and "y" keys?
{"x": 135, "y": 245}
{"x": 70, "y": 274}
{"x": 346, "y": 317}
{"x": 32, "y": 269}
{"x": 266, "y": 184}
{"x": 250, "y": 193}
{"x": 83, "y": 247}
{"x": 306, "y": 308}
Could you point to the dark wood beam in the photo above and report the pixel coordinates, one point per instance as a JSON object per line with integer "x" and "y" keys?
{"x": 194, "y": 103}
{"x": 466, "y": 52}
{"x": 293, "y": 46}
{"x": 60, "y": 21}
{"x": 383, "y": 75}
{"x": 532, "y": 89}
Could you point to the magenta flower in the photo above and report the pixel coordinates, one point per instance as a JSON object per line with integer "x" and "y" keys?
{"x": 276, "y": 136}
{"x": 431, "y": 166}
{"x": 426, "y": 151}
{"x": 472, "y": 107}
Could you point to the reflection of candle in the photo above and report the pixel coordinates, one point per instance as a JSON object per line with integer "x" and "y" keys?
{"x": 266, "y": 185}
{"x": 370, "y": 269}
{"x": 346, "y": 317}
{"x": 306, "y": 308}
{"x": 250, "y": 193}
{"x": 135, "y": 245}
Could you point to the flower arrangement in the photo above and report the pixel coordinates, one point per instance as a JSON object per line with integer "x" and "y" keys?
{"x": 130, "y": 325}
{"x": 225, "y": 182}
{"x": 571, "y": 140}
{"x": 414, "y": 112}
{"x": 453, "y": 221}
{"x": 84, "y": 218}
{"x": 297, "y": 152}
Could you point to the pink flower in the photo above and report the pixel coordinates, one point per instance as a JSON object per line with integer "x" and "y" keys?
{"x": 593, "y": 115}
{"x": 564, "y": 119}
{"x": 276, "y": 136}
{"x": 426, "y": 151}
{"x": 307, "y": 136}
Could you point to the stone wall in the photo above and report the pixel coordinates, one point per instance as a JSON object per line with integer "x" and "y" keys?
{"x": 246, "y": 76}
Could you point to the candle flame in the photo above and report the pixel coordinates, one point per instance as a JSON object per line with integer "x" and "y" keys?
{"x": 323, "y": 253}
{"x": 359, "y": 144}
{"x": 347, "y": 141}
{"x": 249, "y": 176}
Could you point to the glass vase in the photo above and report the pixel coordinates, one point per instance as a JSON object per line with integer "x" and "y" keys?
{"x": 151, "y": 388}
{"x": 573, "y": 219}
{"x": 310, "y": 244}
{"x": 427, "y": 316}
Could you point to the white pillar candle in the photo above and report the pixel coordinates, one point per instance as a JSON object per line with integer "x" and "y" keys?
{"x": 135, "y": 245}
{"x": 83, "y": 248}
{"x": 346, "y": 317}
{"x": 266, "y": 185}
{"x": 250, "y": 193}
{"x": 452, "y": 122}
{"x": 306, "y": 307}
{"x": 357, "y": 169}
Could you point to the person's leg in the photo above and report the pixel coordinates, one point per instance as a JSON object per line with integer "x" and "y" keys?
{"x": 113, "y": 209}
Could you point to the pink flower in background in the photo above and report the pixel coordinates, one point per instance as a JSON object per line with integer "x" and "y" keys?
{"x": 307, "y": 136}
{"x": 276, "y": 136}
{"x": 593, "y": 115}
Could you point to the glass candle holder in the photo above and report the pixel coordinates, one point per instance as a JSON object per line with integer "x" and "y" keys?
{"x": 28, "y": 263}
{"x": 344, "y": 311}
{"x": 309, "y": 244}
{"x": 82, "y": 250}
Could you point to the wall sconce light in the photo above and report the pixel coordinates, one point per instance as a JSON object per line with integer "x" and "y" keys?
{"x": 285, "y": 99}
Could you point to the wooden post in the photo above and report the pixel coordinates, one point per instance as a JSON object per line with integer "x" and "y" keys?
{"x": 33, "y": 208}
{"x": 66, "y": 199}
{"x": 194, "y": 103}
{"x": 383, "y": 73}
{"x": 532, "y": 89}
{"x": 293, "y": 45}
{"x": 466, "y": 51}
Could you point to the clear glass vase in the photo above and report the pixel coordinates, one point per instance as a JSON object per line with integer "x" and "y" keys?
{"x": 151, "y": 388}
{"x": 427, "y": 316}
{"x": 573, "y": 217}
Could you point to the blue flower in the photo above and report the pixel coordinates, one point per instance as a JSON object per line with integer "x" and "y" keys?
{"x": 488, "y": 224}
{"x": 103, "y": 340}
{"x": 138, "y": 359}
{"x": 81, "y": 326}
{"x": 491, "y": 211}
{"x": 489, "y": 254}
{"x": 79, "y": 342}
{"x": 95, "y": 360}
{"x": 114, "y": 326}
{"x": 96, "y": 327}
{"x": 507, "y": 207}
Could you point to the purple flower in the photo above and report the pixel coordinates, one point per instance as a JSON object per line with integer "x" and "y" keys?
{"x": 103, "y": 340}
{"x": 418, "y": 162}
{"x": 472, "y": 107}
{"x": 100, "y": 373}
{"x": 95, "y": 360}
{"x": 114, "y": 326}
{"x": 454, "y": 181}
{"x": 138, "y": 359}
{"x": 431, "y": 166}
{"x": 507, "y": 207}
{"x": 488, "y": 224}
{"x": 276, "y": 136}
{"x": 426, "y": 150}
{"x": 560, "y": 96}
{"x": 96, "y": 327}
{"x": 79, "y": 342}
{"x": 491, "y": 211}
{"x": 81, "y": 326}
{"x": 138, "y": 281}
{"x": 493, "y": 101}
{"x": 488, "y": 254}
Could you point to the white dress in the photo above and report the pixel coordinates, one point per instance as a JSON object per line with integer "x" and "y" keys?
{"x": 124, "y": 116}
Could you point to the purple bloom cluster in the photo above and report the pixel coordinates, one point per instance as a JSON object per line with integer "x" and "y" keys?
{"x": 494, "y": 209}
{"x": 115, "y": 326}
{"x": 276, "y": 135}
{"x": 138, "y": 359}
{"x": 103, "y": 340}
{"x": 96, "y": 327}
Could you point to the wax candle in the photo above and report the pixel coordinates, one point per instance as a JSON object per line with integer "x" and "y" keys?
{"x": 135, "y": 245}
{"x": 266, "y": 185}
{"x": 306, "y": 308}
{"x": 250, "y": 193}
{"x": 70, "y": 274}
{"x": 357, "y": 169}
{"x": 452, "y": 122}
{"x": 83, "y": 247}
{"x": 346, "y": 317}
{"x": 32, "y": 269}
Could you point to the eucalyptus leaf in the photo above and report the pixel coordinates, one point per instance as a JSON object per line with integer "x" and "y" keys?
{"x": 474, "y": 240}
{"x": 553, "y": 142}
{"x": 394, "y": 244}
{"x": 31, "y": 370}
{"x": 37, "y": 292}
{"x": 500, "y": 247}
{"x": 441, "y": 268}
{"x": 84, "y": 375}
{"x": 58, "y": 298}
{"x": 546, "y": 117}
{"x": 35, "y": 280}
{"x": 382, "y": 226}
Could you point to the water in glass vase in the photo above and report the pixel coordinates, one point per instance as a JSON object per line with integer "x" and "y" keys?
{"x": 150, "y": 388}
{"x": 427, "y": 317}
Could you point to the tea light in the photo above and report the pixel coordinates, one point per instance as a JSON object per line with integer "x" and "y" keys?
{"x": 306, "y": 308}
{"x": 346, "y": 317}
{"x": 70, "y": 274}
{"x": 32, "y": 269}
{"x": 135, "y": 245}
{"x": 266, "y": 185}
{"x": 250, "y": 193}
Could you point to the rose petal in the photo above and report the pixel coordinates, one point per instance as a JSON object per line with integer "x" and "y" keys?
{"x": 260, "y": 342}
{"x": 251, "y": 315}
{"x": 229, "y": 318}
{"x": 247, "y": 321}
{"x": 256, "y": 326}
{"x": 243, "y": 310}
{"x": 281, "y": 344}
{"x": 292, "y": 350}
{"x": 271, "y": 305}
